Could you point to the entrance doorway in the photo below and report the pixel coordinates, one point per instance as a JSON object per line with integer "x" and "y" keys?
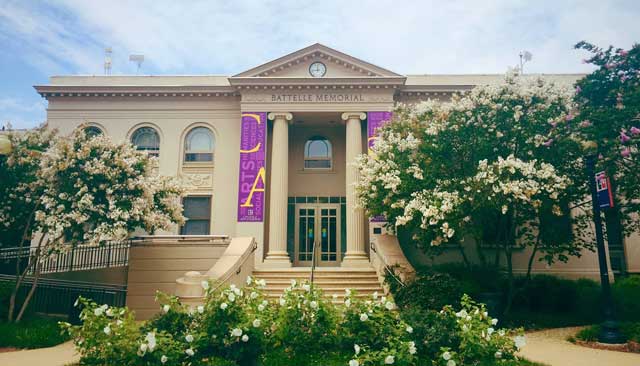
{"x": 317, "y": 225}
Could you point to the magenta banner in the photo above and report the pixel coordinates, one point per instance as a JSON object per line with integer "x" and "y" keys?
{"x": 376, "y": 120}
{"x": 251, "y": 185}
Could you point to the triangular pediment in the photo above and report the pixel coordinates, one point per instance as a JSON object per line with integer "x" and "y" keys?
{"x": 338, "y": 65}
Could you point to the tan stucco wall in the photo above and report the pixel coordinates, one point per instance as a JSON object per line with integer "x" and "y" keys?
{"x": 173, "y": 117}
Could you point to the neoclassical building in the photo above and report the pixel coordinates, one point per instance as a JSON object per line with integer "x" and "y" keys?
{"x": 267, "y": 153}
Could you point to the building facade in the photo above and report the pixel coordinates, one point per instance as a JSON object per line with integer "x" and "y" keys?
{"x": 268, "y": 153}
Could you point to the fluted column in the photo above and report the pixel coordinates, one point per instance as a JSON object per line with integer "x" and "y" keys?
{"x": 279, "y": 182}
{"x": 355, "y": 255}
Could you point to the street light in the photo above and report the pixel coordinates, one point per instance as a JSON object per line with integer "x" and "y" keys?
{"x": 609, "y": 333}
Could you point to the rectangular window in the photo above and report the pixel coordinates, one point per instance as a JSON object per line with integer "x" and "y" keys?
{"x": 197, "y": 210}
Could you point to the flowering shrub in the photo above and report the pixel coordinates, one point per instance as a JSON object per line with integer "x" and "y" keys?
{"x": 237, "y": 326}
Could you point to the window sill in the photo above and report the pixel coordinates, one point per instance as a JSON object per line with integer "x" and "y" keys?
{"x": 317, "y": 171}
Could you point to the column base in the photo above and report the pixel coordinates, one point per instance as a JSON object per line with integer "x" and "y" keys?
{"x": 359, "y": 260}
{"x": 277, "y": 260}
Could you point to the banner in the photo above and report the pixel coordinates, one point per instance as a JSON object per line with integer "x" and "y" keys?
{"x": 376, "y": 120}
{"x": 251, "y": 185}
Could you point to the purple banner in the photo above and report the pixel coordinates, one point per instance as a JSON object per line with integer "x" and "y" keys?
{"x": 251, "y": 185}
{"x": 376, "y": 120}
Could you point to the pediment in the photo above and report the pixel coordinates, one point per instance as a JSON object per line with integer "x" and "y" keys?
{"x": 338, "y": 65}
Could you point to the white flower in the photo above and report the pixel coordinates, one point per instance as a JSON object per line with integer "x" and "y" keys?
{"x": 75, "y": 304}
{"x": 189, "y": 338}
{"x": 107, "y": 330}
{"x": 389, "y": 305}
{"x": 334, "y": 296}
{"x": 293, "y": 283}
{"x": 260, "y": 307}
{"x": 166, "y": 308}
{"x": 245, "y": 338}
{"x": 494, "y": 321}
{"x": 249, "y": 280}
{"x": 498, "y": 354}
{"x": 200, "y": 309}
{"x": 256, "y": 323}
{"x": 461, "y": 314}
{"x": 347, "y": 302}
{"x": 232, "y": 297}
{"x": 189, "y": 352}
{"x": 205, "y": 285}
{"x": 313, "y": 305}
{"x": 356, "y": 348}
{"x": 144, "y": 347}
{"x": 520, "y": 341}
{"x": 409, "y": 329}
{"x": 490, "y": 331}
{"x": 223, "y": 305}
{"x": 253, "y": 295}
{"x": 98, "y": 311}
{"x": 354, "y": 363}
{"x": 347, "y": 291}
{"x": 262, "y": 283}
{"x": 109, "y": 312}
{"x": 375, "y": 295}
{"x": 364, "y": 317}
{"x": 236, "y": 332}
{"x": 119, "y": 322}
{"x": 446, "y": 356}
{"x": 412, "y": 348}
{"x": 151, "y": 340}
{"x": 389, "y": 360}
{"x": 163, "y": 359}
{"x": 306, "y": 287}
{"x": 451, "y": 363}
{"x": 283, "y": 302}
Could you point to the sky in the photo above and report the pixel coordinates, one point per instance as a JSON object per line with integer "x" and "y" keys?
{"x": 39, "y": 39}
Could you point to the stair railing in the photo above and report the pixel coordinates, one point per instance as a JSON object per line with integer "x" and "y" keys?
{"x": 313, "y": 260}
{"x": 386, "y": 266}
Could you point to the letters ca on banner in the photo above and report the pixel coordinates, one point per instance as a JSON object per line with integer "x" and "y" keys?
{"x": 376, "y": 120}
{"x": 251, "y": 184}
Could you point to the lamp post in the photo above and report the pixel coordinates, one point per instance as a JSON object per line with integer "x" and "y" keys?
{"x": 609, "y": 333}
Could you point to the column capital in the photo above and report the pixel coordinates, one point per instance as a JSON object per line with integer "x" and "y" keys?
{"x": 354, "y": 115}
{"x": 280, "y": 115}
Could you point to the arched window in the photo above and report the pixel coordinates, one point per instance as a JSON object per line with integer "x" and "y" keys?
{"x": 92, "y": 131}
{"x": 317, "y": 153}
{"x": 199, "y": 145}
{"x": 146, "y": 139}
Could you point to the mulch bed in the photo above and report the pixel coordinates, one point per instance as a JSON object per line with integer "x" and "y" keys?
{"x": 631, "y": 346}
{"x": 7, "y": 349}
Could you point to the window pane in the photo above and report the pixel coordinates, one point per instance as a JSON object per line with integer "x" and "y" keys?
{"x": 197, "y": 207}
{"x": 198, "y": 157}
{"x": 92, "y": 131}
{"x": 317, "y": 164}
{"x": 199, "y": 139}
{"x": 196, "y": 227}
{"x": 318, "y": 148}
{"x": 146, "y": 138}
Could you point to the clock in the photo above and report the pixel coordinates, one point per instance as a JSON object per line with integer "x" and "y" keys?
{"x": 317, "y": 69}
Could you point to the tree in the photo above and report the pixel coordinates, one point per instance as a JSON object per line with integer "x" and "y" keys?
{"x": 492, "y": 165}
{"x": 609, "y": 103}
{"x": 90, "y": 190}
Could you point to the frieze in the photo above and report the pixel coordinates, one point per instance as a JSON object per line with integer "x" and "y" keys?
{"x": 317, "y": 98}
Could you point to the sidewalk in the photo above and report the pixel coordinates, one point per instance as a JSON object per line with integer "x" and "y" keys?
{"x": 60, "y": 355}
{"x": 550, "y": 347}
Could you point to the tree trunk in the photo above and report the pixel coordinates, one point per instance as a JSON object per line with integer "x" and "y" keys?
{"x": 510, "y": 240}
{"x": 464, "y": 256}
{"x": 25, "y": 304}
{"x": 531, "y": 258}
{"x": 21, "y": 277}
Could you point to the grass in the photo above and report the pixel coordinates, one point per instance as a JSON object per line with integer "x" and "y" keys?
{"x": 630, "y": 330}
{"x": 34, "y": 332}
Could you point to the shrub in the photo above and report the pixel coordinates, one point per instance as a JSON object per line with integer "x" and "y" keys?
{"x": 431, "y": 330}
{"x": 626, "y": 293}
{"x": 35, "y": 332}
{"x": 429, "y": 291}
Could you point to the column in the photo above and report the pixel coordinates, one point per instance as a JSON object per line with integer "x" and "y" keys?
{"x": 279, "y": 183}
{"x": 355, "y": 255}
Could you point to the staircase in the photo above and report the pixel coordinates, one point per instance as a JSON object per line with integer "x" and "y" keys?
{"x": 331, "y": 280}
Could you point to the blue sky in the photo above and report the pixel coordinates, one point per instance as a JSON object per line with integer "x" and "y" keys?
{"x": 39, "y": 39}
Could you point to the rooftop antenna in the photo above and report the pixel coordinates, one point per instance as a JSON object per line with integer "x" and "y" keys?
{"x": 107, "y": 60}
{"x": 525, "y": 56}
{"x": 138, "y": 59}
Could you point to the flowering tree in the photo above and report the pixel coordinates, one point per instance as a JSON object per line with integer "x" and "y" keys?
{"x": 609, "y": 104}
{"x": 493, "y": 165}
{"x": 90, "y": 190}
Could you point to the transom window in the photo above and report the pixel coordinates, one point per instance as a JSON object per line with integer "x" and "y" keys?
{"x": 92, "y": 131}
{"x": 146, "y": 139}
{"x": 197, "y": 211}
{"x": 317, "y": 153}
{"x": 199, "y": 145}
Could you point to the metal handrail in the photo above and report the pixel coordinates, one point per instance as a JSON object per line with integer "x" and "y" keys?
{"x": 313, "y": 260}
{"x": 386, "y": 266}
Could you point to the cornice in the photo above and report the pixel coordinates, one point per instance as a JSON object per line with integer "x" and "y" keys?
{"x": 316, "y": 83}
{"x": 47, "y": 91}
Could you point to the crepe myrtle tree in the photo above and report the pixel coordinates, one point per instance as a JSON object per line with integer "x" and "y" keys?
{"x": 609, "y": 103}
{"x": 498, "y": 166}
{"x": 87, "y": 190}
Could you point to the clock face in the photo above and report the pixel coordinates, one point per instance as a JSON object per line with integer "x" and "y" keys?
{"x": 317, "y": 69}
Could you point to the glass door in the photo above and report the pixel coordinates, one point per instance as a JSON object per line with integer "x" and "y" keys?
{"x": 317, "y": 224}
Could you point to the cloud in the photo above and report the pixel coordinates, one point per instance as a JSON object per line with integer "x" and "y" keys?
{"x": 20, "y": 113}
{"x": 227, "y": 37}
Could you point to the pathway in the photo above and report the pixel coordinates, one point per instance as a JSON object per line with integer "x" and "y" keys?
{"x": 60, "y": 355}
{"x": 551, "y": 347}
